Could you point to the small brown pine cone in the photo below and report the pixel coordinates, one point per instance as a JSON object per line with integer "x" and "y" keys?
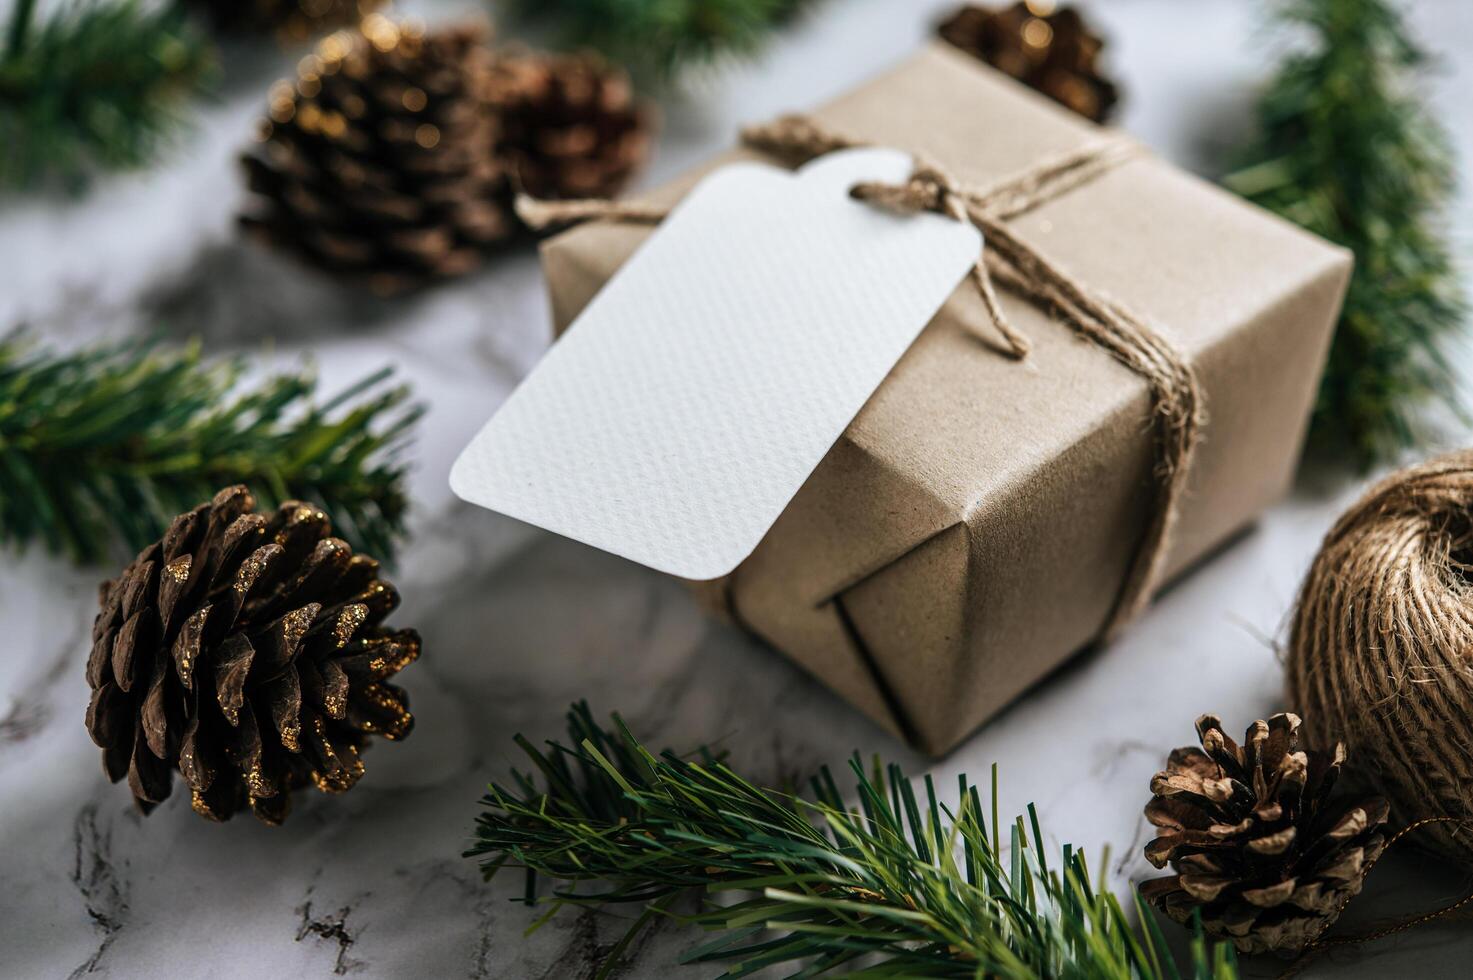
{"x": 1046, "y": 47}
{"x": 294, "y": 20}
{"x": 376, "y": 163}
{"x": 1258, "y": 845}
{"x": 249, "y": 653}
{"x": 570, "y": 125}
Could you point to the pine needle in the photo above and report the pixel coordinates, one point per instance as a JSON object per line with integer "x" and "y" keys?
{"x": 111, "y": 442}
{"x": 101, "y": 84}
{"x": 662, "y": 38}
{"x": 897, "y": 885}
{"x": 1348, "y": 150}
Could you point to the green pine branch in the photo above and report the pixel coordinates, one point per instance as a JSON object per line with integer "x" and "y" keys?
{"x": 1348, "y": 150}
{"x": 100, "y": 84}
{"x": 663, "y": 37}
{"x": 898, "y": 886}
{"x": 112, "y": 442}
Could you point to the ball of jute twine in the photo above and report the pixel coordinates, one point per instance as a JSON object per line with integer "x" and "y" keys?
{"x": 1381, "y": 649}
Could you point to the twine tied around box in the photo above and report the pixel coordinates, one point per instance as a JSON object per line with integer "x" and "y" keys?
{"x": 1176, "y": 395}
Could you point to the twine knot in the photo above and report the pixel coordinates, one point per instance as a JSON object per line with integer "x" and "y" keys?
{"x": 931, "y": 188}
{"x": 928, "y": 188}
{"x": 1176, "y": 397}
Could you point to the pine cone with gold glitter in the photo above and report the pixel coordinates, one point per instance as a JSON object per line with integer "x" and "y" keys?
{"x": 1046, "y": 47}
{"x": 570, "y": 125}
{"x": 292, "y": 20}
{"x": 1258, "y": 843}
{"x": 249, "y": 653}
{"x": 376, "y": 164}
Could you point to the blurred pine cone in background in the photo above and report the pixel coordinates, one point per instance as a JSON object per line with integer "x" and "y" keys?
{"x": 376, "y": 165}
{"x": 294, "y": 20}
{"x": 1046, "y": 47}
{"x": 248, "y": 653}
{"x": 569, "y": 124}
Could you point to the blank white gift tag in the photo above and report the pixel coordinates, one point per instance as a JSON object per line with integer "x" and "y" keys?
{"x": 684, "y": 408}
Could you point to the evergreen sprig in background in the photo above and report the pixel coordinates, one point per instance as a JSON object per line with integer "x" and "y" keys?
{"x": 662, "y": 38}
{"x": 113, "y": 441}
{"x": 900, "y": 886}
{"x": 1348, "y": 150}
{"x": 98, "y": 84}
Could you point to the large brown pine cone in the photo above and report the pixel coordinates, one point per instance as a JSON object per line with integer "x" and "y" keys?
{"x": 570, "y": 125}
{"x": 295, "y": 20}
{"x": 376, "y": 164}
{"x": 1046, "y": 47}
{"x": 1259, "y": 846}
{"x": 248, "y": 652}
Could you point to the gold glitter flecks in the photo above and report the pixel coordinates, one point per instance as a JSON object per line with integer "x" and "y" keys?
{"x": 349, "y": 619}
{"x": 257, "y": 785}
{"x": 399, "y": 722}
{"x": 197, "y": 802}
{"x": 303, "y": 513}
{"x": 291, "y": 736}
{"x": 340, "y": 778}
{"x": 186, "y": 645}
{"x": 393, "y": 653}
{"x": 178, "y": 569}
{"x": 335, "y": 695}
{"x": 252, "y": 567}
{"x": 329, "y": 783}
{"x": 294, "y": 626}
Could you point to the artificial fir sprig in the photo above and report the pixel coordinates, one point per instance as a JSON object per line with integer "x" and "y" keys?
{"x": 98, "y": 84}
{"x": 662, "y": 37}
{"x": 115, "y": 440}
{"x": 1347, "y": 149}
{"x": 898, "y": 886}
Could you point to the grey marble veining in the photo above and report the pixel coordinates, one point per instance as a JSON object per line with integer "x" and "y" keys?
{"x": 517, "y": 624}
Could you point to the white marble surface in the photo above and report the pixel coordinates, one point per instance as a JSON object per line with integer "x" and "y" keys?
{"x": 518, "y": 624}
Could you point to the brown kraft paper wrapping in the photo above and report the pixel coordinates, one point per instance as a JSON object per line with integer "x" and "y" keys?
{"x": 972, "y": 527}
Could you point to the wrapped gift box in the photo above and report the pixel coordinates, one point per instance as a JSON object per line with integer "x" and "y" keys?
{"x": 972, "y": 528}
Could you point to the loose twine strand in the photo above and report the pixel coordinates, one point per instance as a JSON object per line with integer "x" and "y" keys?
{"x": 1319, "y": 944}
{"x": 1176, "y": 396}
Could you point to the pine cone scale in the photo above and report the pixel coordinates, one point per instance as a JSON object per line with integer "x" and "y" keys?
{"x": 149, "y": 777}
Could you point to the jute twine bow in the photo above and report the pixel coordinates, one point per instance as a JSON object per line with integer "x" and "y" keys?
{"x": 1176, "y": 396}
